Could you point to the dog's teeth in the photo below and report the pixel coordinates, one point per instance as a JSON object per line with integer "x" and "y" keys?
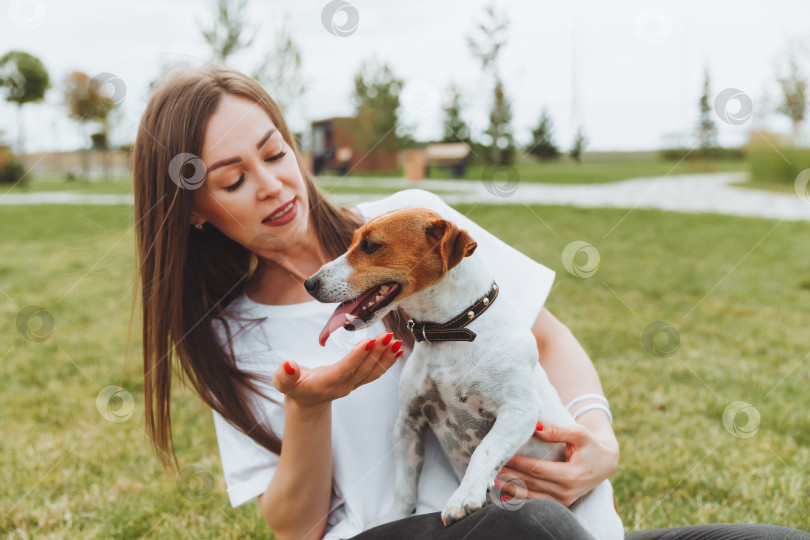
{"x": 378, "y": 298}
{"x": 370, "y": 304}
{"x": 350, "y": 317}
{"x": 384, "y": 289}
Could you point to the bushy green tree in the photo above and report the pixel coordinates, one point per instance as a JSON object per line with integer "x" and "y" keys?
{"x": 25, "y": 80}
{"x": 376, "y": 101}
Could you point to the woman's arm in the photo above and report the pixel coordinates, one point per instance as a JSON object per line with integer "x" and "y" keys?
{"x": 296, "y": 503}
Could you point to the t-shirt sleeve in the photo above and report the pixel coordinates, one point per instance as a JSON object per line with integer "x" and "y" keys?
{"x": 247, "y": 466}
{"x": 523, "y": 282}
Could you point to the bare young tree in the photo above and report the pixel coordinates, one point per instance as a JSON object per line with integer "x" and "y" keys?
{"x": 226, "y": 33}
{"x": 794, "y": 91}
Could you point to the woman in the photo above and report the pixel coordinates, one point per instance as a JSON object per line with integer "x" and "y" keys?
{"x": 229, "y": 225}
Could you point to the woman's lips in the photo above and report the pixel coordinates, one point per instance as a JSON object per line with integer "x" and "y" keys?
{"x": 286, "y": 218}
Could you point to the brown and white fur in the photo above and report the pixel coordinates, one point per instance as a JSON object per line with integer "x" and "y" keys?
{"x": 482, "y": 398}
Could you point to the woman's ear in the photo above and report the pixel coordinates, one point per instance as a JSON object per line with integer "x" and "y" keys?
{"x": 453, "y": 243}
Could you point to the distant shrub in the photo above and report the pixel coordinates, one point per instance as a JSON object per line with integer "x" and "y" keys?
{"x": 716, "y": 153}
{"x": 11, "y": 169}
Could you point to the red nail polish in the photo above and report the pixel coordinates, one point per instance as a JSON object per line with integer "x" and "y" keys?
{"x": 370, "y": 344}
{"x": 387, "y": 338}
{"x": 288, "y": 368}
{"x": 505, "y": 497}
{"x": 395, "y": 347}
{"x": 399, "y": 353}
{"x": 539, "y": 426}
{"x": 498, "y": 483}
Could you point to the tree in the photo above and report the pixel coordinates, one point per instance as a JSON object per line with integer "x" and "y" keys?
{"x": 499, "y": 130}
{"x": 794, "y": 93}
{"x": 455, "y": 128}
{"x": 25, "y": 80}
{"x": 707, "y": 130}
{"x": 280, "y": 71}
{"x": 225, "y": 34}
{"x": 486, "y": 45}
{"x": 578, "y": 148}
{"x": 542, "y": 143}
{"x": 86, "y": 103}
{"x": 376, "y": 101}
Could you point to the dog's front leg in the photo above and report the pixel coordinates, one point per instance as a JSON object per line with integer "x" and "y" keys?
{"x": 512, "y": 428}
{"x": 409, "y": 455}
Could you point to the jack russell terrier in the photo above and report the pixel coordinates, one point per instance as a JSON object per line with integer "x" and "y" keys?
{"x": 473, "y": 377}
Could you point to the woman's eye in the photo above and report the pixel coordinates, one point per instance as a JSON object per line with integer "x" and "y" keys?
{"x": 233, "y": 187}
{"x": 369, "y": 247}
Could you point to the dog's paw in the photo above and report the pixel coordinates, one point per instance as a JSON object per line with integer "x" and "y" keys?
{"x": 463, "y": 503}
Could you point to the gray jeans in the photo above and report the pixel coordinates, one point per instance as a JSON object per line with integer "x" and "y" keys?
{"x": 542, "y": 519}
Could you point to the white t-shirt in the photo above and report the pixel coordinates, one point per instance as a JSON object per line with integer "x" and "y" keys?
{"x": 363, "y": 421}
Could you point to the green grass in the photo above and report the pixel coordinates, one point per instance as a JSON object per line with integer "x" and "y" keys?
{"x": 735, "y": 289}
{"x": 594, "y": 172}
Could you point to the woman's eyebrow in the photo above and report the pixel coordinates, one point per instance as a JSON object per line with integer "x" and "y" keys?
{"x": 229, "y": 161}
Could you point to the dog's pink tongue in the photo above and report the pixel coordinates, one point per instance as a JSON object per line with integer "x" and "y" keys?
{"x": 337, "y": 319}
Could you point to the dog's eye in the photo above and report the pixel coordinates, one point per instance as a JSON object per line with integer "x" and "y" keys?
{"x": 369, "y": 247}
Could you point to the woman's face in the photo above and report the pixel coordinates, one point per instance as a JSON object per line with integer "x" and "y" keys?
{"x": 252, "y": 174}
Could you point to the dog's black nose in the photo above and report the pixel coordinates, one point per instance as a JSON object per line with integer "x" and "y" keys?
{"x": 312, "y": 285}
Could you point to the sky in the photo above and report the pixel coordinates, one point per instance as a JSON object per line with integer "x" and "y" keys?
{"x": 630, "y": 72}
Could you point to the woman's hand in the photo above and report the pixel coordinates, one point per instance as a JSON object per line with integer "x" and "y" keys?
{"x": 589, "y": 459}
{"x": 314, "y": 388}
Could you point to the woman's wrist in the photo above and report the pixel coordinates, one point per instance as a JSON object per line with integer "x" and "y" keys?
{"x": 306, "y": 411}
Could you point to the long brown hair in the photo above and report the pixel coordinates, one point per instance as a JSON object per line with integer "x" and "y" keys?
{"x": 187, "y": 277}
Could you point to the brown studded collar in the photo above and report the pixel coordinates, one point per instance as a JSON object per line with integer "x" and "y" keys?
{"x": 454, "y": 330}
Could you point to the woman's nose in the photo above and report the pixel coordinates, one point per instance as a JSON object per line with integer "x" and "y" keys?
{"x": 269, "y": 184}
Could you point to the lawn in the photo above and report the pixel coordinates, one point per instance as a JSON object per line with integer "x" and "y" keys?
{"x": 734, "y": 291}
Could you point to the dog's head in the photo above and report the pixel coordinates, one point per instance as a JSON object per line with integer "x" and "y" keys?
{"x": 390, "y": 258}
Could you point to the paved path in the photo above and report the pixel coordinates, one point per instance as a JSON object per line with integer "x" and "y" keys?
{"x": 700, "y": 193}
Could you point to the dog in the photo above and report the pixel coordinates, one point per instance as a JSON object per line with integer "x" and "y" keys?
{"x": 473, "y": 377}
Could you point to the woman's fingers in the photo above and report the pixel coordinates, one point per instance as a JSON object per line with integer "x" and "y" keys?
{"x": 286, "y": 376}
{"x": 516, "y": 483}
{"x": 382, "y": 356}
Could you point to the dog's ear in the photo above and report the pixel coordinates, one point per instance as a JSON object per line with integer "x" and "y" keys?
{"x": 452, "y": 243}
